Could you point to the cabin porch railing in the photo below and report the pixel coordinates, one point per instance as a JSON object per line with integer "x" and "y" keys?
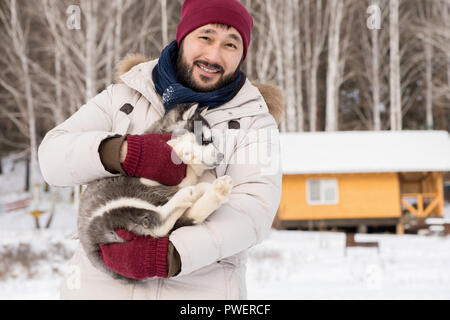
{"x": 421, "y": 211}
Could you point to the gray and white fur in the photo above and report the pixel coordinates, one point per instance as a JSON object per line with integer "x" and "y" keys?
{"x": 146, "y": 207}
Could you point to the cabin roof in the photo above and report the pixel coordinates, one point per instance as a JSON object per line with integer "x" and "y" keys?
{"x": 365, "y": 151}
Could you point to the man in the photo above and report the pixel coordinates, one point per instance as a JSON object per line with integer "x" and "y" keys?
{"x": 104, "y": 138}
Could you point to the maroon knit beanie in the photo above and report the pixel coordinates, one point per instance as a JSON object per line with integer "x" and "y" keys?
{"x": 197, "y": 13}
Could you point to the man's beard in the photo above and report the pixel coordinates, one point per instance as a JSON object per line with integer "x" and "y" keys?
{"x": 185, "y": 74}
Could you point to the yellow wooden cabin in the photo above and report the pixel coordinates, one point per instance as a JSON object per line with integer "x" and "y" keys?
{"x": 361, "y": 178}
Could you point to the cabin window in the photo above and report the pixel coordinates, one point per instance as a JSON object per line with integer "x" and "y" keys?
{"x": 321, "y": 191}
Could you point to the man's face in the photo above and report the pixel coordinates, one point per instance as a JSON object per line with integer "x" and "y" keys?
{"x": 209, "y": 57}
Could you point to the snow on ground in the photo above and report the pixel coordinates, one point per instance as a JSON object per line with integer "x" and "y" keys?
{"x": 33, "y": 262}
{"x": 287, "y": 265}
{"x": 314, "y": 265}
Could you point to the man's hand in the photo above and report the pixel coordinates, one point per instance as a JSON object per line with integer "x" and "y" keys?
{"x": 141, "y": 256}
{"x": 149, "y": 156}
{"x": 123, "y": 151}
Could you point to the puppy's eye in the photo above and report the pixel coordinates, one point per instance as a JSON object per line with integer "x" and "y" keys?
{"x": 146, "y": 223}
{"x": 207, "y": 141}
{"x": 206, "y": 136}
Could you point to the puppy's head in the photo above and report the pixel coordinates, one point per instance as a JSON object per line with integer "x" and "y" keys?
{"x": 193, "y": 140}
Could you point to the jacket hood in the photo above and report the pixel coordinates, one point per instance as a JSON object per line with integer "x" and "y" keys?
{"x": 271, "y": 93}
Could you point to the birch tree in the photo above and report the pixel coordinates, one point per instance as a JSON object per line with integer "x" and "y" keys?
{"x": 336, "y": 7}
{"x": 374, "y": 26}
{"x": 394, "y": 81}
{"x": 298, "y": 39}
{"x": 164, "y": 26}
{"x": 432, "y": 27}
{"x": 276, "y": 37}
{"x": 315, "y": 26}
{"x": 425, "y": 13}
{"x": 262, "y": 46}
{"x": 374, "y": 43}
{"x": 289, "y": 38}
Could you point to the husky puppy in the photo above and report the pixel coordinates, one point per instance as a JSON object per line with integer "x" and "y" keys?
{"x": 146, "y": 207}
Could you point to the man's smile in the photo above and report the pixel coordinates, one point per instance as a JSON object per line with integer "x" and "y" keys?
{"x": 208, "y": 70}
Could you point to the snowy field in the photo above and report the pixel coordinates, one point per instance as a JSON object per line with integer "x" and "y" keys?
{"x": 288, "y": 265}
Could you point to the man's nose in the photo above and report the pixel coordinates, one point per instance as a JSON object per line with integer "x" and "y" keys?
{"x": 213, "y": 55}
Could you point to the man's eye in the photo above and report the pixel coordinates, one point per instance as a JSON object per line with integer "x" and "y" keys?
{"x": 232, "y": 46}
{"x": 204, "y": 38}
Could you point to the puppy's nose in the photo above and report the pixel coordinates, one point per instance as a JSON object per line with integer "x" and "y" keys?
{"x": 220, "y": 157}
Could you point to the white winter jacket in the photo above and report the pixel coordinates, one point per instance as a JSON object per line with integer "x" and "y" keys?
{"x": 212, "y": 253}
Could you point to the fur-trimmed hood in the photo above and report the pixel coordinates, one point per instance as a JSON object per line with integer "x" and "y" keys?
{"x": 271, "y": 93}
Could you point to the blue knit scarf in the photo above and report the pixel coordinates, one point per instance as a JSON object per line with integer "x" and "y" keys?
{"x": 167, "y": 85}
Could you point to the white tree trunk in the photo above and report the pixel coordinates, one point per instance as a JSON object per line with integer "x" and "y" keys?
{"x": 314, "y": 42}
{"x": 308, "y": 61}
{"x": 91, "y": 52}
{"x": 249, "y": 58}
{"x": 446, "y": 14}
{"x": 288, "y": 59}
{"x": 333, "y": 65}
{"x": 90, "y": 65}
{"x": 164, "y": 28}
{"x": 59, "y": 115}
{"x": 264, "y": 52}
{"x": 275, "y": 35}
{"x": 448, "y": 72}
{"x": 429, "y": 84}
{"x": 298, "y": 63}
{"x": 19, "y": 42}
{"x": 118, "y": 31}
{"x": 394, "y": 81}
{"x": 114, "y": 43}
{"x": 109, "y": 60}
{"x": 376, "y": 79}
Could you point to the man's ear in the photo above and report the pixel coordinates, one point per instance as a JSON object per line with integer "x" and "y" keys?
{"x": 190, "y": 112}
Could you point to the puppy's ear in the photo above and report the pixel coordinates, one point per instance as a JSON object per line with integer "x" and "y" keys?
{"x": 202, "y": 109}
{"x": 190, "y": 112}
{"x": 177, "y": 149}
{"x": 172, "y": 143}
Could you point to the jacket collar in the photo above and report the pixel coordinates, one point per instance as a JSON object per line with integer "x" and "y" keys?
{"x": 139, "y": 78}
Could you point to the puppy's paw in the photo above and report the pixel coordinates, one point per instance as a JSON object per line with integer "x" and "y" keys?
{"x": 222, "y": 187}
{"x": 188, "y": 196}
